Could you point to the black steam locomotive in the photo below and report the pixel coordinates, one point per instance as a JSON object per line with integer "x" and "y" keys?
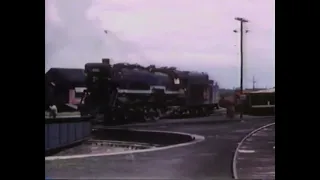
{"x": 130, "y": 92}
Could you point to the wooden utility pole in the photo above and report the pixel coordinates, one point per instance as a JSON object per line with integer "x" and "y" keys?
{"x": 241, "y": 20}
{"x": 253, "y": 83}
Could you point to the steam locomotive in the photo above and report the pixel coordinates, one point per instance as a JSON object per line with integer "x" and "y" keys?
{"x": 130, "y": 92}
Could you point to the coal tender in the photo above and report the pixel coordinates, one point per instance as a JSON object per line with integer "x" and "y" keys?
{"x": 198, "y": 95}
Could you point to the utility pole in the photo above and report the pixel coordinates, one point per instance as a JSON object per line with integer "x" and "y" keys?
{"x": 241, "y": 20}
{"x": 253, "y": 83}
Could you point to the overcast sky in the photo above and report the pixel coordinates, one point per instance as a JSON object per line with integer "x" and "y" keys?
{"x": 188, "y": 34}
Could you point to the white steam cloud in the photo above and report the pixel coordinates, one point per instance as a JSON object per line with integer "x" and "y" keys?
{"x": 72, "y": 39}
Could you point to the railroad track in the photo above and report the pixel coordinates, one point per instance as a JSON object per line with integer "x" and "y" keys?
{"x": 210, "y": 159}
{"x": 94, "y": 147}
{"x": 255, "y": 155}
{"x": 123, "y": 144}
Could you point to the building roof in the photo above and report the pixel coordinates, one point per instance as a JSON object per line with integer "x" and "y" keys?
{"x": 66, "y": 76}
{"x": 273, "y": 90}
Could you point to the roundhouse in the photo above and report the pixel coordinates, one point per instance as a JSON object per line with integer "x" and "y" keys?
{"x": 64, "y": 87}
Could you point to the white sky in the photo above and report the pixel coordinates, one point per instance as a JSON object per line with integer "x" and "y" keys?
{"x": 188, "y": 34}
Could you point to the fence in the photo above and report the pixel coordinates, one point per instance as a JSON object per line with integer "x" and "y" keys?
{"x": 65, "y": 131}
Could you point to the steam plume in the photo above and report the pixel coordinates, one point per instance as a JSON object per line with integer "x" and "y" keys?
{"x": 72, "y": 39}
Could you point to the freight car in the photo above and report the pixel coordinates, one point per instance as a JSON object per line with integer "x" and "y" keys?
{"x": 260, "y": 102}
{"x": 256, "y": 102}
{"x": 129, "y": 92}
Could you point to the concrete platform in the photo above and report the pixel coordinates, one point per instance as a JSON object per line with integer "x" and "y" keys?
{"x": 64, "y": 114}
{"x": 210, "y": 159}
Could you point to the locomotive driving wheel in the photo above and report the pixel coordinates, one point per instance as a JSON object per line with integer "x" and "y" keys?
{"x": 156, "y": 114}
{"x": 152, "y": 114}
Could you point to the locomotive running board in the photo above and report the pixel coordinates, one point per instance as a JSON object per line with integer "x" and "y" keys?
{"x": 129, "y": 91}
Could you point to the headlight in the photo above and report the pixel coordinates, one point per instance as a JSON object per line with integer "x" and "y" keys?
{"x": 176, "y": 81}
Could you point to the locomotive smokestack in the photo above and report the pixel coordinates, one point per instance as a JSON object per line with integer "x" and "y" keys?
{"x": 106, "y": 61}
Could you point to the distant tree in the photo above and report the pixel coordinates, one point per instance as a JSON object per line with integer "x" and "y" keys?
{"x": 150, "y": 67}
{"x": 226, "y": 92}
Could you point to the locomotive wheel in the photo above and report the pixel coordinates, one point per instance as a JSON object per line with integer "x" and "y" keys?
{"x": 188, "y": 113}
{"x": 205, "y": 111}
{"x": 157, "y": 115}
{"x": 138, "y": 116}
{"x": 193, "y": 113}
{"x": 198, "y": 112}
{"x": 122, "y": 117}
{"x": 147, "y": 117}
{"x": 150, "y": 115}
{"x": 126, "y": 118}
{"x": 130, "y": 116}
{"x": 108, "y": 119}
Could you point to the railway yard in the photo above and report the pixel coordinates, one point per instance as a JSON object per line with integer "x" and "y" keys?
{"x": 120, "y": 127}
{"x": 222, "y": 146}
{"x": 184, "y": 98}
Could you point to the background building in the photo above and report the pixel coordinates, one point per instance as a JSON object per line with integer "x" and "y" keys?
{"x": 64, "y": 87}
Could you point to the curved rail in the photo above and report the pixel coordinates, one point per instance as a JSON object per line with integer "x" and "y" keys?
{"x": 234, "y": 163}
{"x": 194, "y": 139}
{"x": 125, "y": 144}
